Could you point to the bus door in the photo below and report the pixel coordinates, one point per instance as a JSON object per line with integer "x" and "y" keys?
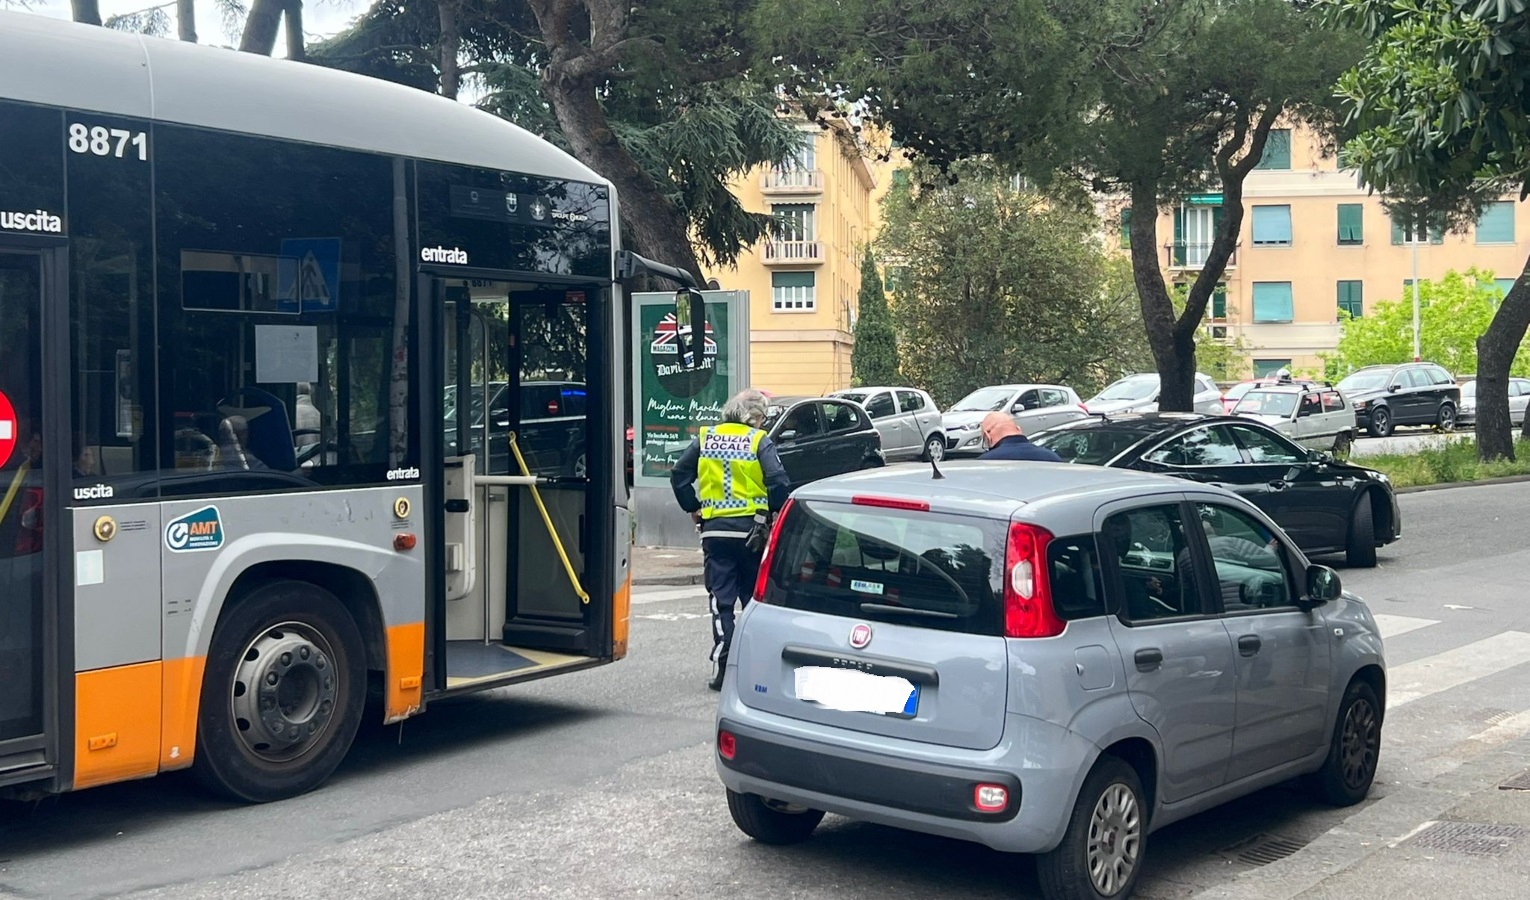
{"x": 27, "y": 554}
{"x": 518, "y": 389}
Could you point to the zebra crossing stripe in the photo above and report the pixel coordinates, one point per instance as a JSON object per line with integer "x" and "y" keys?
{"x": 1392, "y": 626}
{"x": 1453, "y": 668}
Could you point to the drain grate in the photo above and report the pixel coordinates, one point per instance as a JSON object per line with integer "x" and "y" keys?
{"x": 1470, "y": 838}
{"x": 1520, "y": 782}
{"x": 1496, "y": 716}
{"x": 1263, "y": 849}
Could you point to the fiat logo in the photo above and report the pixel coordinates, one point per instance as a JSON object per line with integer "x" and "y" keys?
{"x": 860, "y": 636}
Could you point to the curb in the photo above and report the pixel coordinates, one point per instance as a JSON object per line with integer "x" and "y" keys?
{"x": 1485, "y": 482}
{"x": 669, "y": 580}
{"x": 1374, "y": 828}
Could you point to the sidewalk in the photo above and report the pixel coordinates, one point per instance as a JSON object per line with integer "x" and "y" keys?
{"x": 666, "y": 565}
{"x": 1466, "y": 834}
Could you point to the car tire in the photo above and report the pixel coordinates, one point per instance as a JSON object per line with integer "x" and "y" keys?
{"x": 1360, "y": 552}
{"x": 1343, "y": 445}
{"x": 935, "y": 448}
{"x": 1354, "y": 749}
{"x": 1446, "y": 421}
{"x": 301, "y": 636}
{"x": 770, "y": 822}
{"x": 1101, "y": 853}
{"x": 1381, "y": 422}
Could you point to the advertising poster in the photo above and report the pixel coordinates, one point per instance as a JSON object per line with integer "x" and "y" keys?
{"x": 674, "y": 404}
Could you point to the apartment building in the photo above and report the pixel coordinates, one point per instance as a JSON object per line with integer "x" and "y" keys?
{"x": 803, "y": 284}
{"x": 1314, "y": 242}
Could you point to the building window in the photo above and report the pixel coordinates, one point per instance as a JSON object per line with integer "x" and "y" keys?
{"x": 1277, "y": 150}
{"x": 1195, "y": 227}
{"x": 1496, "y": 225}
{"x": 1264, "y": 368}
{"x": 1351, "y": 298}
{"x": 1272, "y": 226}
{"x": 1351, "y": 224}
{"x": 1126, "y": 227}
{"x": 1503, "y": 285}
{"x": 1219, "y": 302}
{"x": 797, "y": 220}
{"x": 1402, "y": 234}
{"x": 1272, "y": 302}
{"x": 792, "y": 292}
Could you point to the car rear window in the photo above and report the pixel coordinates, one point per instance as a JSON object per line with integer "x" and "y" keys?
{"x": 907, "y": 566}
{"x": 1091, "y": 446}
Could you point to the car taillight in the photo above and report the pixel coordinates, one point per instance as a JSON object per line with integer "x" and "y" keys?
{"x": 770, "y": 552}
{"x": 727, "y": 744}
{"x": 1028, "y": 611}
{"x": 990, "y": 798}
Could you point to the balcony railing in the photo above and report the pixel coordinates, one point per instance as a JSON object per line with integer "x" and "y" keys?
{"x": 794, "y": 252}
{"x": 792, "y": 181}
{"x": 1191, "y": 255}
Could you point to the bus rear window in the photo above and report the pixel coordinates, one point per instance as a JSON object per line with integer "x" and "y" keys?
{"x": 914, "y": 568}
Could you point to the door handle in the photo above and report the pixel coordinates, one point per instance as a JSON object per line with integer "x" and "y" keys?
{"x": 1249, "y": 644}
{"x": 1279, "y": 484}
{"x": 1149, "y": 659}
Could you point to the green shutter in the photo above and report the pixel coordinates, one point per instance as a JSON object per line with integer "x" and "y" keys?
{"x": 1273, "y": 302}
{"x": 1496, "y": 225}
{"x": 1352, "y": 298}
{"x": 1277, "y": 150}
{"x": 1179, "y": 236}
{"x": 1397, "y": 230}
{"x": 1352, "y": 223}
{"x": 1216, "y": 222}
{"x": 791, "y": 279}
{"x": 1126, "y": 227}
{"x": 1219, "y": 302}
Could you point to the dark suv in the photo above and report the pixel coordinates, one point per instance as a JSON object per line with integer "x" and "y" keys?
{"x": 1406, "y": 394}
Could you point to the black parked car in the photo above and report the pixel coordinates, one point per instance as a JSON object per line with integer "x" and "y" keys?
{"x": 822, "y": 436}
{"x": 1326, "y": 506}
{"x": 1405, "y": 394}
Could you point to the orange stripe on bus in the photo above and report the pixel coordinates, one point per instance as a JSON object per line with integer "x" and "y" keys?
{"x": 621, "y": 618}
{"x": 116, "y": 724}
{"x": 406, "y": 670}
{"x": 182, "y": 701}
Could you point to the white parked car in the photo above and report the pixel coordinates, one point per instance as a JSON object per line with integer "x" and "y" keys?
{"x": 907, "y": 418}
{"x": 1034, "y": 406}
{"x": 1139, "y": 393}
{"x": 1314, "y": 415}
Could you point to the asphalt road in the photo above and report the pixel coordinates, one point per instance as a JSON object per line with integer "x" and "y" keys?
{"x": 600, "y": 784}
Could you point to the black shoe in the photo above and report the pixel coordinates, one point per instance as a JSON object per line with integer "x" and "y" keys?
{"x": 719, "y": 669}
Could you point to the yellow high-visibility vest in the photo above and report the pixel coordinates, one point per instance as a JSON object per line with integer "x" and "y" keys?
{"x": 731, "y": 481}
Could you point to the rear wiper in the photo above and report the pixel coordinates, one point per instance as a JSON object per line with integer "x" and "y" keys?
{"x": 903, "y": 610}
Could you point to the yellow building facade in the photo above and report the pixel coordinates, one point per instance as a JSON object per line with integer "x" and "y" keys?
{"x": 1315, "y": 242}
{"x": 803, "y": 285}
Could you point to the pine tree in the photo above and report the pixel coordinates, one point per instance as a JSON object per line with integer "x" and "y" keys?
{"x": 875, "y": 359}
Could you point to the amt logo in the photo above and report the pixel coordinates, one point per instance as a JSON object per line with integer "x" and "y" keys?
{"x": 201, "y": 530}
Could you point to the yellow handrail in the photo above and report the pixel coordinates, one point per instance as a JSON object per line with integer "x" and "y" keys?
{"x": 552, "y": 532}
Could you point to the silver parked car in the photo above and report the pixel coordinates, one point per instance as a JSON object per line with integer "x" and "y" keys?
{"x": 1035, "y": 407}
{"x": 1041, "y": 658}
{"x": 1314, "y": 415}
{"x": 1139, "y": 393}
{"x": 1519, "y": 402}
{"x": 907, "y": 418}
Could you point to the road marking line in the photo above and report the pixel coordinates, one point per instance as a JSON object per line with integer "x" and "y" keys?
{"x": 690, "y": 593}
{"x": 1453, "y": 668}
{"x": 1392, "y": 626}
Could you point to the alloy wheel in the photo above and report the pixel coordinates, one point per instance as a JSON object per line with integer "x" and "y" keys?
{"x": 1115, "y": 839}
{"x": 1360, "y": 743}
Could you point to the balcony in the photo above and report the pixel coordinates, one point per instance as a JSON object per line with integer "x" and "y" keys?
{"x": 794, "y": 253}
{"x": 784, "y": 182}
{"x": 1190, "y": 256}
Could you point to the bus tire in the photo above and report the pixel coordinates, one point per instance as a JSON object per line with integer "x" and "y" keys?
{"x": 282, "y": 695}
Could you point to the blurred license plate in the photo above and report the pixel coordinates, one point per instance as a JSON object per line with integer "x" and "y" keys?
{"x": 851, "y": 690}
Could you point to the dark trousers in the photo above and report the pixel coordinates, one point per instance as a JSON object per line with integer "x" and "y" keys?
{"x": 731, "y": 569}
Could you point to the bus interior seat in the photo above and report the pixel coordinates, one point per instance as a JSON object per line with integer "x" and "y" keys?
{"x": 270, "y": 427}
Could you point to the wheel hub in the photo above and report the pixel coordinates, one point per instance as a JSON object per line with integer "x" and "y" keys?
{"x": 1115, "y": 839}
{"x": 284, "y": 691}
{"x": 1358, "y": 749}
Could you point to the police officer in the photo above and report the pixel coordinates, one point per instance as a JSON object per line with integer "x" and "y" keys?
{"x": 730, "y": 479}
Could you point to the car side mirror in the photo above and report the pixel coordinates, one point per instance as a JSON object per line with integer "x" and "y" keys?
{"x": 1322, "y": 585}
{"x": 500, "y": 418}
{"x": 786, "y": 437}
{"x": 1394, "y": 388}
{"x": 690, "y": 328}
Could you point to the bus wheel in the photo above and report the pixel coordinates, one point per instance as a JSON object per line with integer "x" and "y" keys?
{"x": 282, "y": 695}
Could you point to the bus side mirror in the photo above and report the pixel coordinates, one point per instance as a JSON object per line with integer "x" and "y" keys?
{"x": 690, "y": 327}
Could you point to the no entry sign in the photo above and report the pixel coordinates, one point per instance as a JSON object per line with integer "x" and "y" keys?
{"x": 7, "y": 429}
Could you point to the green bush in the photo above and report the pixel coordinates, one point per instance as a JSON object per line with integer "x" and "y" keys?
{"x": 1450, "y": 463}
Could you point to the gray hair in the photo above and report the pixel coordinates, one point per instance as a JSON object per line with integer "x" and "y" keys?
{"x": 747, "y": 407}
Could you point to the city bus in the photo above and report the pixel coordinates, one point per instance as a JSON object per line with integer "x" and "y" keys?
{"x": 247, "y": 307}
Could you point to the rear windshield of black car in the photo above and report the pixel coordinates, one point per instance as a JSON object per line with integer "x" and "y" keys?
{"x": 906, "y": 566}
{"x": 1094, "y": 446}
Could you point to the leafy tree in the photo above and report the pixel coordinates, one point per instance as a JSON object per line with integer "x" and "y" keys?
{"x": 874, "y": 360}
{"x": 1453, "y": 314}
{"x": 998, "y": 286}
{"x": 1152, "y": 101}
{"x": 1438, "y": 105}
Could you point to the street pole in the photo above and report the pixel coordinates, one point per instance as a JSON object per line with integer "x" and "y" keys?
{"x": 1416, "y": 357}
